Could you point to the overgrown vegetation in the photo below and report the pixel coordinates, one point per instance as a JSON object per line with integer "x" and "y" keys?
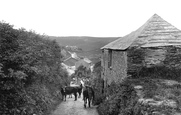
{"x": 97, "y": 83}
{"x": 121, "y": 100}
{"x": 159, "y": 93}
{"x": 82, "y": 72}
{"x": 156, "y": 97}
{"x": 30, "y": 72}
{"x": 159, "y": 96}
{"x": 162, "y": 72}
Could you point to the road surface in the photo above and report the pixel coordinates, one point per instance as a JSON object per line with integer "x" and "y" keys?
{"x": 71, "y": 107}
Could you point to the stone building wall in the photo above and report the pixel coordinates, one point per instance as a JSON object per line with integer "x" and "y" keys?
{"x": 119, "y": 65}
{"x": 115, "y": 70}
{"x": 155, "y": 62}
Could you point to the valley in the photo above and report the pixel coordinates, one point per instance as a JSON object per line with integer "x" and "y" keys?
{"x": 84, "y": 46}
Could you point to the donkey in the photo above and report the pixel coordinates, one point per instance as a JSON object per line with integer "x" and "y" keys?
{"x": 88, "y": 94}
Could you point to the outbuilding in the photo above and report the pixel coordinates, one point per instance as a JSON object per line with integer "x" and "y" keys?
{"x": 153, "y": 50}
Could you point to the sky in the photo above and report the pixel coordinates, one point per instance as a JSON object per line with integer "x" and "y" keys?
{"x": 98, "y": 18}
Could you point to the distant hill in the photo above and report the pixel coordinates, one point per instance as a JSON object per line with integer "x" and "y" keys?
{"x": 85, "y": 43}
{"x": 90, "y": 45}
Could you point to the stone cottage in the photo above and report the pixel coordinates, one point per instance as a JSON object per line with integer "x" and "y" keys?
{"x": 152, "y": 50}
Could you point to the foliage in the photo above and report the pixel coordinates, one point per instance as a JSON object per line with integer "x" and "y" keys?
{"x": 158, "y": 96}
{"x": 98, "y": 84}
{"x": 82, "y": 72}
{"x": 146, "y": 109}
{"x": 30, "y": 71}
{"x": 161, "y": 94}
{"x": 121, "y": 100}
{"x": 159, "y": 72}
{"x": 97, "y": 69}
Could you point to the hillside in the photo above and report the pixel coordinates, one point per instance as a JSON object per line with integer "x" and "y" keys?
{"x": 90, "y": 45}
{"x": 83, "y": 42}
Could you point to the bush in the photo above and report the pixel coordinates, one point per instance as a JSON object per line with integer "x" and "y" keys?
{"x": 159, "y": 72}
{"x": 97, "y": 84}
{"x": 30, "y": 72}
{"x": 121, "y": 100}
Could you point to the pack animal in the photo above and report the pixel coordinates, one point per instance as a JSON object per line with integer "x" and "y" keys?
{"x": 69, "y": 90}
{"x": 88, "y": 94}
{"x": 79, "y": 90}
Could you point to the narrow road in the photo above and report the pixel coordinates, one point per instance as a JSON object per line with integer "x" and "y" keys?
{"x": 71, "y": 107}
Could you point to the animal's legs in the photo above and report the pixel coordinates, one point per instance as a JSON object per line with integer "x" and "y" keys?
{"x": 65, "y": 97}
{"x": 79, "y": 94}
{"x": 89, "y": 102}
{"x": 92, "y": 101}
{"x": 62, "y": 97}
{"x": 75, "y": 94}
{"x": 70, "y": 96}
{"x": 85, "y": 102}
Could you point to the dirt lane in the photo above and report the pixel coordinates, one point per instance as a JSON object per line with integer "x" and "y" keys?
{"x": 71, "y": 107}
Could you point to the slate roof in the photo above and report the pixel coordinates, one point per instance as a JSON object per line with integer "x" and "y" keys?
{"x": 70, "y": 61}
{"x": 155, "y": 32}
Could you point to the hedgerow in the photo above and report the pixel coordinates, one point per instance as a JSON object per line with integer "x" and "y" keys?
{"x": 156, "y": 97}
{"x": 98, "y": 84}
{"x": 121, "y": 100}
{"x": 30, "y": 72}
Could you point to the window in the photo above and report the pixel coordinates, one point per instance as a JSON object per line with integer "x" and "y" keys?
{"x": 110, "y": 59}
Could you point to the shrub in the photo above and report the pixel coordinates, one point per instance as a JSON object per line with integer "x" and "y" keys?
{"x": 97, "y": 84}
{"x": 122, "y": 101}
{"x": 159, "y": 96}
{"x": 30, "y": 72}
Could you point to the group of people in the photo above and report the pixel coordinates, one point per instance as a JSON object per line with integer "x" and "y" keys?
{"x": 88, "y": 92}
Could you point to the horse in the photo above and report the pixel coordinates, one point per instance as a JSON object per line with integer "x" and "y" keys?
{"x": 69, "y": 90}
{"x": 79, "y": 90}
{"x": 88, "y": 94}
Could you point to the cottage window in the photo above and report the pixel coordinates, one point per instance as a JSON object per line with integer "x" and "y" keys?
{"x": 102, "y": 51}
{"x": 110, "y": 59}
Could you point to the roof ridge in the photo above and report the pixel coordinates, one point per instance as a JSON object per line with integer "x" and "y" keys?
{"x": 155, "y": 27}
{"x": 140, "y": 28}
{"x": 160, "y": 19}
{"x": 148, "y": 21}
{"x": 145, "y": 25}
{"x": 67, "y": 58}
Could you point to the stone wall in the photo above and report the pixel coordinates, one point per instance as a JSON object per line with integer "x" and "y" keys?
{"x": 115, "y": 70}
{"x": 156, "y": 62}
